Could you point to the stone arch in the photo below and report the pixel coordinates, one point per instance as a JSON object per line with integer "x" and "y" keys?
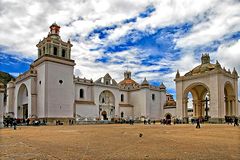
{"x": 200, "y": 103}
{"x": 229, "y": 98}
{"x": 168, "y": 116}
{"x": 106, "y": 105}
{"x": 22, "y": 101}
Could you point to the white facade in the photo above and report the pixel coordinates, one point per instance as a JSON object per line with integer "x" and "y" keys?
{"x": 1, "y": 104}
{"x": 49, "y": 90}
{"x": 214, "y": 91}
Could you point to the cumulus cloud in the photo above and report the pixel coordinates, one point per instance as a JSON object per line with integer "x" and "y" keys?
{"x": 23, "y": 23}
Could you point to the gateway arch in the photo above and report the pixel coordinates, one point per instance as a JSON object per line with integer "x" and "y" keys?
{"x": 214, "y": 92}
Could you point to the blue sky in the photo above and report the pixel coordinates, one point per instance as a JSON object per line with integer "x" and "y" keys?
{"x": 150, "y": 38}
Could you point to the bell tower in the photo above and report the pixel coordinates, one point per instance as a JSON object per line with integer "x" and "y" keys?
{"x": 54, "y": 66}
{"x": 53, "y": 44}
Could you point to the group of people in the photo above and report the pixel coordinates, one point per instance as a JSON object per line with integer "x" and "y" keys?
{"x": 148, "y": 121}
{"x": 12, "y": 122}
{"x": 231, "y": 120}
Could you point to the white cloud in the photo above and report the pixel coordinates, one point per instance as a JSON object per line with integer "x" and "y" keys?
{"x": 222, "y": 19}
{"x": 24, "y": 22}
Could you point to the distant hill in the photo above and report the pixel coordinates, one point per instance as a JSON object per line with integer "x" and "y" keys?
{"x": 5, "y": 78}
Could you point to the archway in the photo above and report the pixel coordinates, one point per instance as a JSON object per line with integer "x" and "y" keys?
{"x": 230, "y": 106}
{"x": 168, "y": 116}
{"x": 106, "y": 105}
{"x": 199, "y": 95}
{"x": 104, "y": 114}
{"x": 22, "y": 102}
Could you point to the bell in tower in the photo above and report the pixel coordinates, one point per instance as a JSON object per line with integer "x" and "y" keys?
{"x": 53, "y": 45}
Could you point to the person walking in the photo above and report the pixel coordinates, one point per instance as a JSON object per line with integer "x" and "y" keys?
{"x": 198, "y": 123}
{"x": 14, "y": 124}
{"x": 236, "y": 122}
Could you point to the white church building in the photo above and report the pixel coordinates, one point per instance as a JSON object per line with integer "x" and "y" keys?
{"x": 49, "y": 90}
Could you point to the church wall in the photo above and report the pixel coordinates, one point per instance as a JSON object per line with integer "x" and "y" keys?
{"x": 155, "y": 108}
{"x": 88, "y": 95}
{"x": 1, "y": 108}
{"x": 41, "y": 90}
{"x": 10, "y": 97}
{"x": 85, "y": 110}
{"x": 59, "y": 96}
{"x": 125, "y": 94}
{"x": 128, "y": 112}
{"x": 170, "y": 110}
{"x": 139, "y": 101}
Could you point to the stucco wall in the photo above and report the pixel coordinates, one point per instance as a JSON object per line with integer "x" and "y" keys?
{"x": 89, "y": 111}
{"x": 59, "y": 96}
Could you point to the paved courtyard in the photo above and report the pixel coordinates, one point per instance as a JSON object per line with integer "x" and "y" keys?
{"x": 121, "y": 141}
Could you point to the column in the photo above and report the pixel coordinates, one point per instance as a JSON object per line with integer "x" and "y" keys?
{"x": 194, "y": 108}
{"x": 230, "y": 108}
{"x": 185, "y": 102}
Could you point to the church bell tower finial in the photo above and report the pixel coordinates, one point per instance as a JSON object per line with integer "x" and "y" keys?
{"x": 54, "y": 29}
{"x": 205, "y": 58}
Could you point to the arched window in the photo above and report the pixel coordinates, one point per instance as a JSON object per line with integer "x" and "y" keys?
{"x": 153, "y": 97}
{"x": 55, "y": 50}
{"x": 39, "y": 51}
{"x": 122, "y": 97}
{"x": 63, "y": 53}
{"x": 81, "y": 93}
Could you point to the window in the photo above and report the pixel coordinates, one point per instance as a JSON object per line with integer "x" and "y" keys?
{"x": 60, "y": 81}
{"x": 103, "y": 100}
{"x": 63, "y": 53}
{"x": 26, "y": 93}
{"x": 81, "y": 93}
{"x": 106, "y": 82}
{"x": 153, "y": 97}
{"x": 55, "y": 51}
{"x": 122, "y": 114}
{"x": 122, "y": 97}
{"x": 43, "y": 50}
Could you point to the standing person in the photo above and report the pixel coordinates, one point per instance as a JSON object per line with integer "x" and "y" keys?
{"x": 14, "y": 124}
{"x": 236, "y": 122}
{"x": 28, "y": 120}
{"x": 198, "y": 123}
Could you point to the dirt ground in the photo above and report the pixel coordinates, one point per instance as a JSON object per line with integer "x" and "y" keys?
{"x": 121, "y": 142}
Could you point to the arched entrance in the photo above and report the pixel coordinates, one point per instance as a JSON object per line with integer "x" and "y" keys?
{"x": 106, "y": 105}
{"x": 22, "y": 102}
{"x": 197, "y": 98}
{"x": 168, "y": 116}
{"x": 230, "y": 106}
{"x": 104, "y": 114}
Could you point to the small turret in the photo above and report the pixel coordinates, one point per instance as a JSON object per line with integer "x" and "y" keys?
{"x": 177, "y": 74}
{"x": 145, "y": 82}
{"x": 218, "y": 66}
{"x": 235, "y": 72}
{"x": 127, "y": 75}
{"x": 162, "y": 86}
{"x": 205, "y": 58}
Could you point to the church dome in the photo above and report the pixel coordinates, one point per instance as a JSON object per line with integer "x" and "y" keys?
{"x": 128, "y": 82}
{"x": 205, "y": 66}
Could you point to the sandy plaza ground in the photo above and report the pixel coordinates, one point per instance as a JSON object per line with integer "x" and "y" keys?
{"x": 121, "y": 141}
